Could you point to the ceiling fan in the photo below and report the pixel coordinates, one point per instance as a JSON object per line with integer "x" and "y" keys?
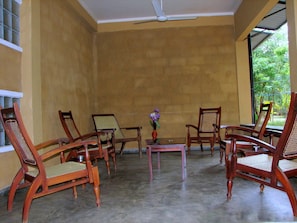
{"x": 161, "y": 17}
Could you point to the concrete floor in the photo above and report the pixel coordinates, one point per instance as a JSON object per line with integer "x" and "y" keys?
{"x": 128, "y": 196}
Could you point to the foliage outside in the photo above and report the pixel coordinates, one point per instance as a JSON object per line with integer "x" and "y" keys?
{"x": 271, "y": 75}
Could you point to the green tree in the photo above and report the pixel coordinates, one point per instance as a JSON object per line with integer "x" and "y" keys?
{"x": 271, "y": 71}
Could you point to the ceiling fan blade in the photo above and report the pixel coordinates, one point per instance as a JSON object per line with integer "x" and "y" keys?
{"x": 161, "y": 17}
{"x": 158, "y": 8}
{"x": 146, "y": 21}
{"x": 172, "y": 18}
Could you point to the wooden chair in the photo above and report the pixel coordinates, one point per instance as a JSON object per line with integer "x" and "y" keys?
{"x": 273, "y": 169}
{"x": 97, "y": 152}
{"x": 109, "y": 121}
{"x": 44, "y": 180}
{"x": 257, "y": 131}
{"x": 207, "y": 130}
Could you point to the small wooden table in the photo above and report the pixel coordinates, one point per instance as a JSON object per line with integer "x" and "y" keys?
{"x": 166, "y": 145}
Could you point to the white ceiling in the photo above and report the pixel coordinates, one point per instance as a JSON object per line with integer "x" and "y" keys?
{"x": 107, "y": 11}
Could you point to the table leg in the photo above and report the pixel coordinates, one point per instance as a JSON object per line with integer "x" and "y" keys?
{"x": 184, "y": 162}
{"x": 159, "y": 164}
{"x": 149, "y": 156}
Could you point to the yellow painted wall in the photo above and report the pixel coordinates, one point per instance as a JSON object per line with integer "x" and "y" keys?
{"x": 9, "y": 165}
{"x": 10, "y": 71}
{"x": 177, "y": 70}
{"x": 10, "y": 74}
{"x": 66, "y": 68}
{"x": 244, "y": 83}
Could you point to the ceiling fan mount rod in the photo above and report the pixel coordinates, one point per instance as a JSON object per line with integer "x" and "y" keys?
{"x": 162, "y": 18}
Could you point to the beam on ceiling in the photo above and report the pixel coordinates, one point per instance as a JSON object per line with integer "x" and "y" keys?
{"x": 249, "y": 14}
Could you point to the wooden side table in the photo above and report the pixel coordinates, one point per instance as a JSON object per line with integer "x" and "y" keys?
{"x": 166, "y": 145}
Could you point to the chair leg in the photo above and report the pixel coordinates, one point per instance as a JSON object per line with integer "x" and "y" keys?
{"x": 29, "y": 197}
{"x": 288, "y": 189}
{"x": 211, "y": 147}
{"x": 106, "y": 158}
{"x": 222, "y": 150}
{"x": 14, "y": 186}
{"x": 189, "y": 148}
{"x": 262, "y": 187}
{"x": 74, "y": 191}
{"x": 229, "y": 176}
{"x": 221, "y": 155}
{"x": 122, "y": 148}
{"x": 140, "y": 148}
{"x": 229, "y": 189}
{"x": 188, "y": 141}
{"x": 96, "y": 184}
{"x": 112, "y": 153}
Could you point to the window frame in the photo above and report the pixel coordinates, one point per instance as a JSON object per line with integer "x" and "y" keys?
{"x": 10, "y": 23}
{"x": 12, "y": 96}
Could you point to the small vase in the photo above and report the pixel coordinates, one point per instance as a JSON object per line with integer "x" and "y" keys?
{"x": 154, "y": 135}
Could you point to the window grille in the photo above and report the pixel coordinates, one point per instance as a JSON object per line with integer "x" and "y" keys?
{"x": 7, "y": 98}
{"x": 10, "y": 21}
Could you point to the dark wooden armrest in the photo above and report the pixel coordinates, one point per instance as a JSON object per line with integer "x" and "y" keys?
{"x": 89, "y": 135}
{"x": 131, "y": 128}
{"x": 106, "y": 130}
{"x": 253, "y": 140}
{"x": 233, "y": 128}
{"x": 67, "y": 147}
{"x": 272, "y": 132}
{"x": 216, "y": 127}
{"x": 96, "y": 134}
{"x": 191, "y": 126}
{"x": 59, "y": 141}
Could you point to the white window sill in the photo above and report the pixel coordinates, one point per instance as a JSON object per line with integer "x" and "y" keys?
{"x": 4, "y": 149}
{"x": 12, "y": 94}
{"x": 11, "y": 45}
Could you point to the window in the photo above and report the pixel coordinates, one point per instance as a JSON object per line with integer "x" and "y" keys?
{"x": 7, "y": 98}
{"x": 10, "y": 21}
{"x": 270, "y": 69}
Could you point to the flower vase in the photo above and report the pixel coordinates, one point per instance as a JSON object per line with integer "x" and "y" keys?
{"x": 154, "y": 135}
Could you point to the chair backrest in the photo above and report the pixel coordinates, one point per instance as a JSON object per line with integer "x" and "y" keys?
{"x": 263, "y": 118}
{"x": 286, "y": 146}
{"x": 69, "y": 126}
{"x": 19, "y": 138}
{"x": 208, "y": 117}
{"x": 107, "y": 121}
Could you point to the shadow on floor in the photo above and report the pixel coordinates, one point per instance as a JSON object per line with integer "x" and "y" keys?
{"x": 128, "y": 196}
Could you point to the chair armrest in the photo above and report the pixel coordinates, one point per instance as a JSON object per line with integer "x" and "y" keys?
{"x": 233, "y": 128}
{"x": 59, "y": 141}
{"x": 96, "y": 134}
{"x": 216, "y": 127}
{"x": 236, "y": 127}
{"x": 273, "y": 135}
{"x": 191, "y": 126}
{"x": 250, "y": 139}
{"x": 69, "y": 146}
{"x": 106, "y": 130}
{"x": 88, "y": 135}
{"x": 272, "y": 132}
{"x": 132, "y": 128}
